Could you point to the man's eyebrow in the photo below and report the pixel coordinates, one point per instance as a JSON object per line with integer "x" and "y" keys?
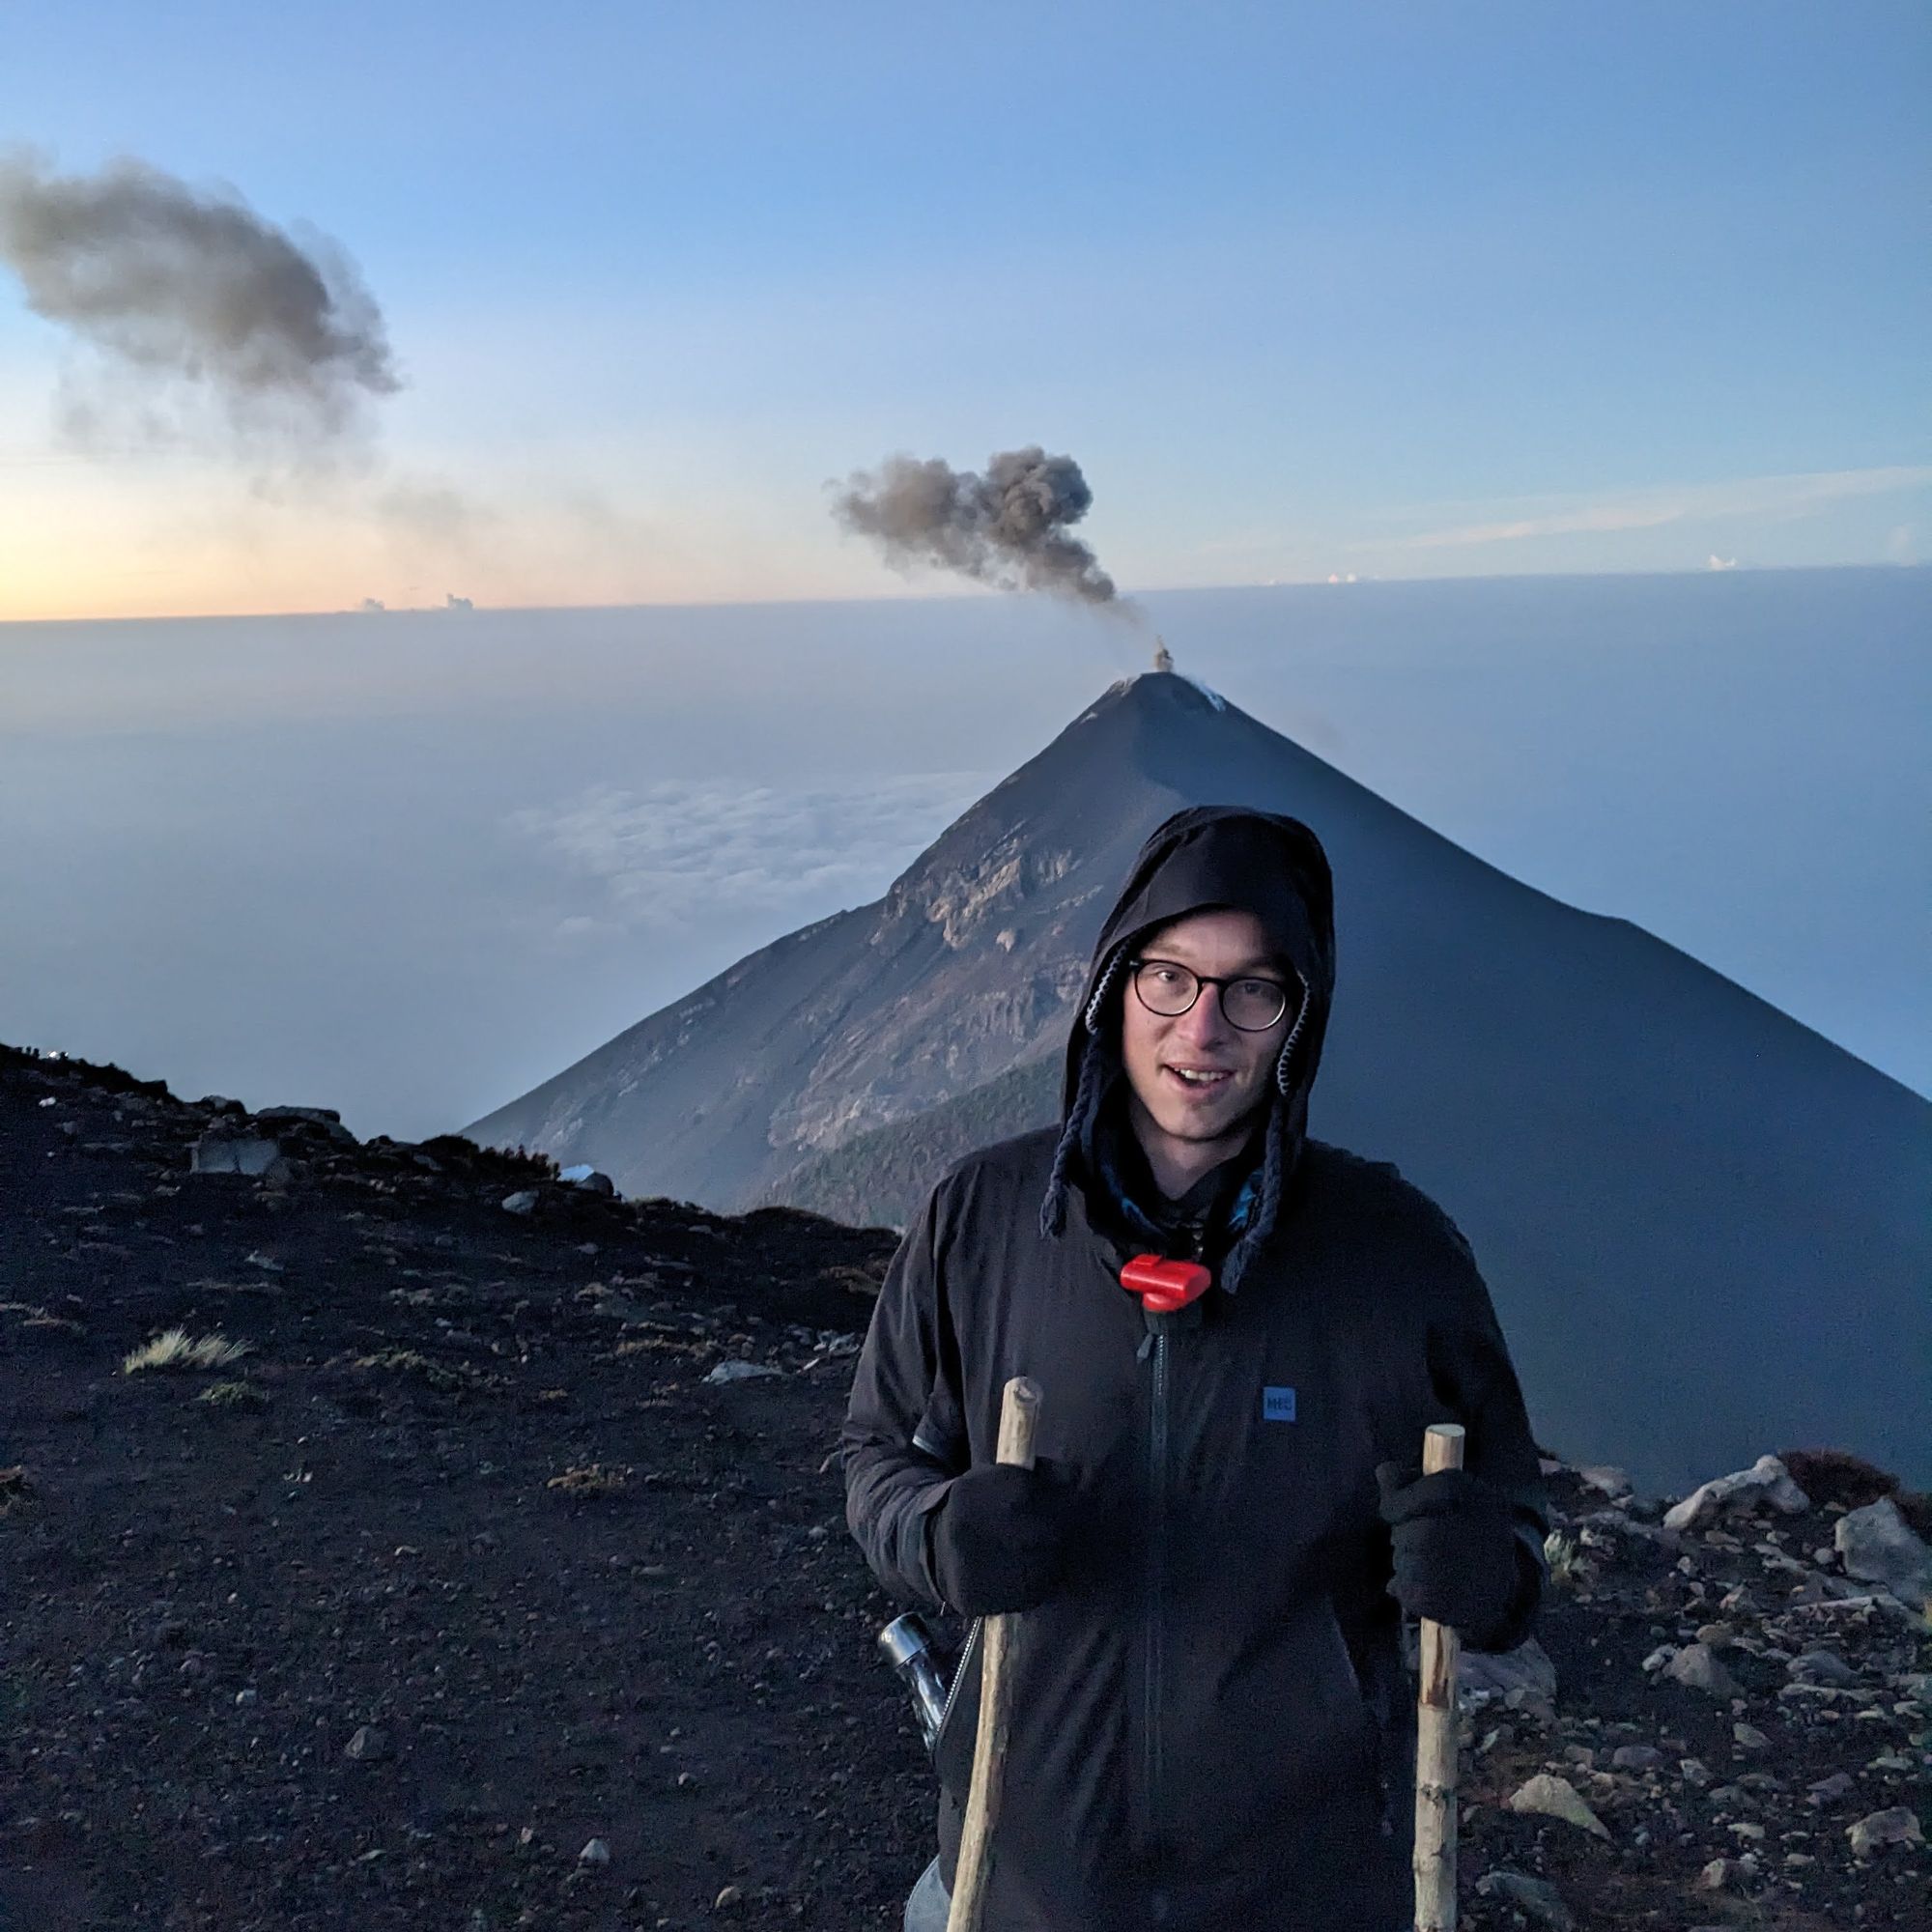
{"x": 1264, "y": 966}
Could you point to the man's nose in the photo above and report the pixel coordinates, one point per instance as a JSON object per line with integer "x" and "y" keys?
{"x": 1204, "y": 1024}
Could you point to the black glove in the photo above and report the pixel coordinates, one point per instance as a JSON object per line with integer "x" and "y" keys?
{"x": 1455, "y": 1549}
{"x": 1003, "y": 1538}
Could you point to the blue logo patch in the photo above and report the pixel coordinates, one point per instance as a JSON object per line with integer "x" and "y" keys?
{"x": 1277, "y": 1404}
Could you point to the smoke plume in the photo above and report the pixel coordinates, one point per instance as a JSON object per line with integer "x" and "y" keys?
{"x": 192, "y": 294}
{"x": 1007, "y": 528}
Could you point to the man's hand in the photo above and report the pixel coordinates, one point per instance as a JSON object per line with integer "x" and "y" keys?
{"x": 1003, "y": 1538}
{"x": 1455, "y": 1549}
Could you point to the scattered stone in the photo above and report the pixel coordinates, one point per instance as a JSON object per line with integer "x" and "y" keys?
{"x": 1635, "y": 1757}
{"x": 595, "y": 1853}
{"x": 729, "y": 1898}
{"x": 1496, "y": 1673}
{"x": 1696, "y": 1666}
{"x": 1829, "y": 1790}
{"x": 739, "y": 1371}
{"x": 1765, "y": 1484}
{"x": 589, "y": 1181}
{"x": 1877, "y": 1545}
{"x": 1898, "y": 1825}
{"x": 523, "y": 1202}
{"x": 1552, "y": 1797}
{"x": 1750, "y": 1736}
{"x": 1535, "y": 1898}
{"x": 1822, "y": 1666}
{"x": 369, "y": 1745}
{"x": 1718, "y": 1875}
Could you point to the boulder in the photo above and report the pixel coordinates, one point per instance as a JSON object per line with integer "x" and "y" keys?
{"x": 739, "y": 1371}
{"x": 1898, "y": 1825}
{"x": 325, "y": 1118}
{"x": 589, "y": 1179}
{"x": 223, "y": 1151}
{"x": 1696, "y": 1665}
{"x": 1496, "y": 1673}
{"x": 1552, "y": 1796}
{"x": 1765, "y": 1486}
{"x": 1877, "y": 1545}
{"x": 523, "y": 1202}
{"x": 1537, "y": 1900}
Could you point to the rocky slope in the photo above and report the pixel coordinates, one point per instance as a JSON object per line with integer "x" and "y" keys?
{"x": 494, "y": 1586}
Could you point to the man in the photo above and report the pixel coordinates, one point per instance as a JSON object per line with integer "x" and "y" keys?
{"x": 1211, "y": 1725}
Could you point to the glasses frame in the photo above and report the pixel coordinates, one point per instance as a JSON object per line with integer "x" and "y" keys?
{"x": 1219, "y": 982}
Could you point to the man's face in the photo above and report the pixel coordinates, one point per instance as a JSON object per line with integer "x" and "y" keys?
{"x": 1196, "y": 1076}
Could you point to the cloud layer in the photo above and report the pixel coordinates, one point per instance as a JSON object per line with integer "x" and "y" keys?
{"x": 682, "y": 851}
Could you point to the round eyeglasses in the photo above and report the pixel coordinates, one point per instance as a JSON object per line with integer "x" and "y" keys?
{"x": 1250, "y": 1004}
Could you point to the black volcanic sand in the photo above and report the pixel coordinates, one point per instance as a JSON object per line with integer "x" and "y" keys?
{"x": 345, "y": 1651}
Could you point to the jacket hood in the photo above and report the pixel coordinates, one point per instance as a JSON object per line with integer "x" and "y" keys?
{"x": 1210, "y": 857}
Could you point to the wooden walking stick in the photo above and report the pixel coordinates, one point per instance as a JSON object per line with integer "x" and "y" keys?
{"x": 1435, "y": 1858}
{"x": 1019, "y": 1415}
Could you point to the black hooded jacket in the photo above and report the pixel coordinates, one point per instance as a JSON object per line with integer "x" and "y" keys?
{"x": 1211, "y": 1725}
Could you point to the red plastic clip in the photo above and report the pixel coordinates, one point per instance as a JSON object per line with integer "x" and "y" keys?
{"x": 1162, "y": 1285}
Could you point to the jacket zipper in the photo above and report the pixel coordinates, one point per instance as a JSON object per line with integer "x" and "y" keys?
{"x": 1196, "y": 1241}
{"x": 958, "y": 1682}
{"x": 1157, "y": 1609}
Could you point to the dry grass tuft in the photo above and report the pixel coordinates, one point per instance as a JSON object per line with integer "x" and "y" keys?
{"x": 233, "y": 1395}
{"x": 590, "y": 1479}
{"x": 448, "y": 1378}
{"x": 177, "y": 1349}
{"x": 1564, "y": 1558}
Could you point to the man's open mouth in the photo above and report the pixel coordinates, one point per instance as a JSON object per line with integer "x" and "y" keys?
{"x": 1200, "y": 1079}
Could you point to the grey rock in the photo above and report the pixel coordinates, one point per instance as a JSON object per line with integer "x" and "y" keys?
{"x": 1605, "y": 1480}
{"x": 1696, "y": 1665}
{"x": 1898, "y": 1825}
{"x": 523, "y": 1202}
{"x": 1765, "y": 1486}
{"x": 1829, "y": 1790}
{"x": 369, "y": 1745}
{"x": 595, "y": 1853}
{"x": 1822, "y": 1666}
{"x": 1635, "y": 1757}
{"x": 1877, "y": 1545}
{"x": 1552, "y": 1797}
{"x": 1496, "y": 1673}
{"x": 589, "y": 1179}
{"x": 740, "y": 1372}
{"x": 1537, "y": 1900}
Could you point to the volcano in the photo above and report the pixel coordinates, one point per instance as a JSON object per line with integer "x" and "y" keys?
{"x": 1703, "y": 1223}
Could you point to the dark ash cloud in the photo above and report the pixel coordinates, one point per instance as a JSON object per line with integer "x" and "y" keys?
{"x": 179, "y": 288}
{"x": 1008, "y": 527}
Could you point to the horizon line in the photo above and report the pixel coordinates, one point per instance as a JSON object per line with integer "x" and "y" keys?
{"x": 1101, "y": 611}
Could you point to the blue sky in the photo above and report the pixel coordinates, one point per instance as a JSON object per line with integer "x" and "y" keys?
{"x": 1403, "y": 290}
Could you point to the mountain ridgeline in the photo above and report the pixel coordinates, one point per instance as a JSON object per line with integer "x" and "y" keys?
{"x": 1703, "y": 1224}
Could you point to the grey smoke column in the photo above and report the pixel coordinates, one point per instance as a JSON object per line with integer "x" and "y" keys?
{"x": 1007, "y": 528}
{"x": 169, "y": 283}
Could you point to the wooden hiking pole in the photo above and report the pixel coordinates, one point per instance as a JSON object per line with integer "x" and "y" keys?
{"x": 1435, "y": 1858}
{"x": 1019, "y": 1415}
